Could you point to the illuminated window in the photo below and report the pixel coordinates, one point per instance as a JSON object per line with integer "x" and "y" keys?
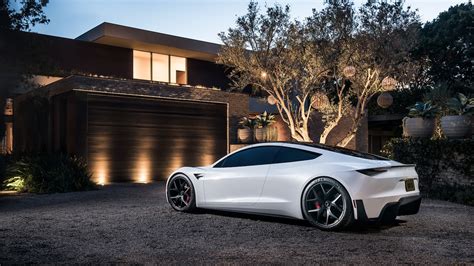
{"x": 178, "y": 70}
{"x": 141, "y": 65}
{"x": 160, "y": 66}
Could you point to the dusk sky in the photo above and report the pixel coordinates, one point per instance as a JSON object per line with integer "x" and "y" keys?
{"x": 197, "y": 19}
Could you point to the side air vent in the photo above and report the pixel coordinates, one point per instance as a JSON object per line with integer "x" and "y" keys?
{"x": 198, "y": 176}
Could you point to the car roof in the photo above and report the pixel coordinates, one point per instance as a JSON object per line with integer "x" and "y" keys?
{"x": 323, "y": 147}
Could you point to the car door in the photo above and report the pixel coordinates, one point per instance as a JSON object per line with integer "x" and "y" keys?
{"x": 237, "y": 180}
{"x": 281, "y": 194}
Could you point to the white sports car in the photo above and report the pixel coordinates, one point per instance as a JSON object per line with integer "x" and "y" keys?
{"x": 329, "y": 187}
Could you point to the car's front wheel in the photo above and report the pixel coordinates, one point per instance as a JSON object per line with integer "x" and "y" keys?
{"x": 326, "y": 204}
{"x": 180, "y": 193}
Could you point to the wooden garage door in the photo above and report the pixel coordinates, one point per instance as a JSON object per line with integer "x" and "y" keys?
{"x": 132, "y": 139}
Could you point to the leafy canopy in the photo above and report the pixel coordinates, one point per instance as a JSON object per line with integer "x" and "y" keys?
{"x": 22, "y": 15}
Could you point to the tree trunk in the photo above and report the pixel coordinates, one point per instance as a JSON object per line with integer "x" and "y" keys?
{"x": 345, "y": 141}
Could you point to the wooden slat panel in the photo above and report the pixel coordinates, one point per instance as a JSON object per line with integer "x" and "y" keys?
{"x": 139, "y": 140}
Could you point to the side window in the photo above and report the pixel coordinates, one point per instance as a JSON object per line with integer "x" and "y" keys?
{"x": 286, "y": 155}
{"x": 252, "y": 156}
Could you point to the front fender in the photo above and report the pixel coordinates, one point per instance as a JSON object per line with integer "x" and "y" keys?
{"x": 197, "y": 184}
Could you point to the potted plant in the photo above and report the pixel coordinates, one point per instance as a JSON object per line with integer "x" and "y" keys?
{"x": 457, "y": 123}
{"x": 420, "y": 122}
{"x": 245, "y": 132}
{"x": 263, "y": 131}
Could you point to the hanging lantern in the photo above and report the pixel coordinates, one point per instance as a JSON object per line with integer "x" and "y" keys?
{"x": 9, "y": 107}
{"x": 271, "y": 100}
{"x": 384, "y": 100}
{"x": 320, "y": 100}
{"x": 389, "y": 83}
{"x": 349, "y": 71}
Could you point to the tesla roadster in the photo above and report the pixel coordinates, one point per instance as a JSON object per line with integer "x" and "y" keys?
{"x": 329, "y": 187}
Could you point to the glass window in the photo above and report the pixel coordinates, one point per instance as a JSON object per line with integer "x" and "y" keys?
{"x": 248, "y": 157}
{"x": 286, "y": 155}
{"x": 141, "y": 65}
{"x": 160, "y": 66}
{"x": 178, "y": 70}
{"x": 348, "y": 152}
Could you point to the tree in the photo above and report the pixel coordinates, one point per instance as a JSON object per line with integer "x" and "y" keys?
{"x": 29, "y": 13}
{"x": 342, "y": 55}
{"x": 15, "y": 17}
{"x": 447, "y": 43}
{"x": 269, "y": 52}
{"x": 373, "y": 55}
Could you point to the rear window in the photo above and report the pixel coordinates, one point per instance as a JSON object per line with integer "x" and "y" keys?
{"x": 354, "y": 153}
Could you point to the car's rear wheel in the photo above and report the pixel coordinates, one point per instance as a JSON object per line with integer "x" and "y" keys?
{"x": 326, "y": 204}
{"x": 181, "y": 194}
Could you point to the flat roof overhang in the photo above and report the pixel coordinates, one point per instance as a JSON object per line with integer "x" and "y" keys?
{"x": 144, "y": 40}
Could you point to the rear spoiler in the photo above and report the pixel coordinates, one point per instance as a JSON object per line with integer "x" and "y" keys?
{"x": 379, "y": 170}
{"x": 402, "y": 165}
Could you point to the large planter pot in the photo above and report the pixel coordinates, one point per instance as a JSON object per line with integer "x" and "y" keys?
{"x": 245, "y": 135}
{"x": 272, "y": 133}
{"x": 418, "y": 127}
{"x": 455, "y": 126}
{"x": 260, "y": 134}
{"x": 266, "y": 134}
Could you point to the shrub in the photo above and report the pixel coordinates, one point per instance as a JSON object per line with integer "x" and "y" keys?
{"x": 48, "y": 173}
{"x": 445, "y": 167}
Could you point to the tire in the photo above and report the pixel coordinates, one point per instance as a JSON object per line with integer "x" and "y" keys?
{"x": 180, "y": 193}
{"x": 326, "y": 204}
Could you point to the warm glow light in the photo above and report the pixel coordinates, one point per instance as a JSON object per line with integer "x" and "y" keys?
{"x": 99, "y": 162}
{"x": 271, "y": 100}
{"x": 207, "y": 158}
{"x": 160, "y": 67}
{"x": 101, "y": 172}
{"x": 143, "y": 169}
{"x": 389, "y": 83}
{"x": 141, "y": 65}
{"x": 349, "y": 71}
{"x": 178, "y": 70}
{"x": 263, "y": 74}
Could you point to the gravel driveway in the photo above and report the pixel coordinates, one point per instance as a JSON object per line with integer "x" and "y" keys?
{"x": 134, "y": 224}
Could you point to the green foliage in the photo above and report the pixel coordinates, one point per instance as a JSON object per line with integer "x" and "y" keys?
{"x": 48, "y": 173}
{"x": 436, "y": 159}
{"x": 461, "y": 105}
{"x": 29, "y": 13}
{"x": 248, "y": 122}
{"x": 423, "y": 110}
{"x": 439, "y": 95}
{"x": 447, "y": 44}
{"x": 265, "y": 119}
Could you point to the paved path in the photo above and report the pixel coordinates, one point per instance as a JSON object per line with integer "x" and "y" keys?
{"x": 134, "y": 224}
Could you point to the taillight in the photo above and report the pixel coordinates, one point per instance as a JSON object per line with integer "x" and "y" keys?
{"x": 373, "y": 171}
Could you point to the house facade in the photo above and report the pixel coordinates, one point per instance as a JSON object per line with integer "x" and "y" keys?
{"x": 135, "y": 104}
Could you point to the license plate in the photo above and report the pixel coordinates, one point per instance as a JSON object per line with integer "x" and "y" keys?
{"x": 410, "y": 184}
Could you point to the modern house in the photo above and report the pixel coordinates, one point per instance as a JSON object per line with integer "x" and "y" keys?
{"x": 135, "y": 104}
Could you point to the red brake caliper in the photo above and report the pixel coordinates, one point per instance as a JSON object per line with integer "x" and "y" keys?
{"x": 317, "y": 205}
